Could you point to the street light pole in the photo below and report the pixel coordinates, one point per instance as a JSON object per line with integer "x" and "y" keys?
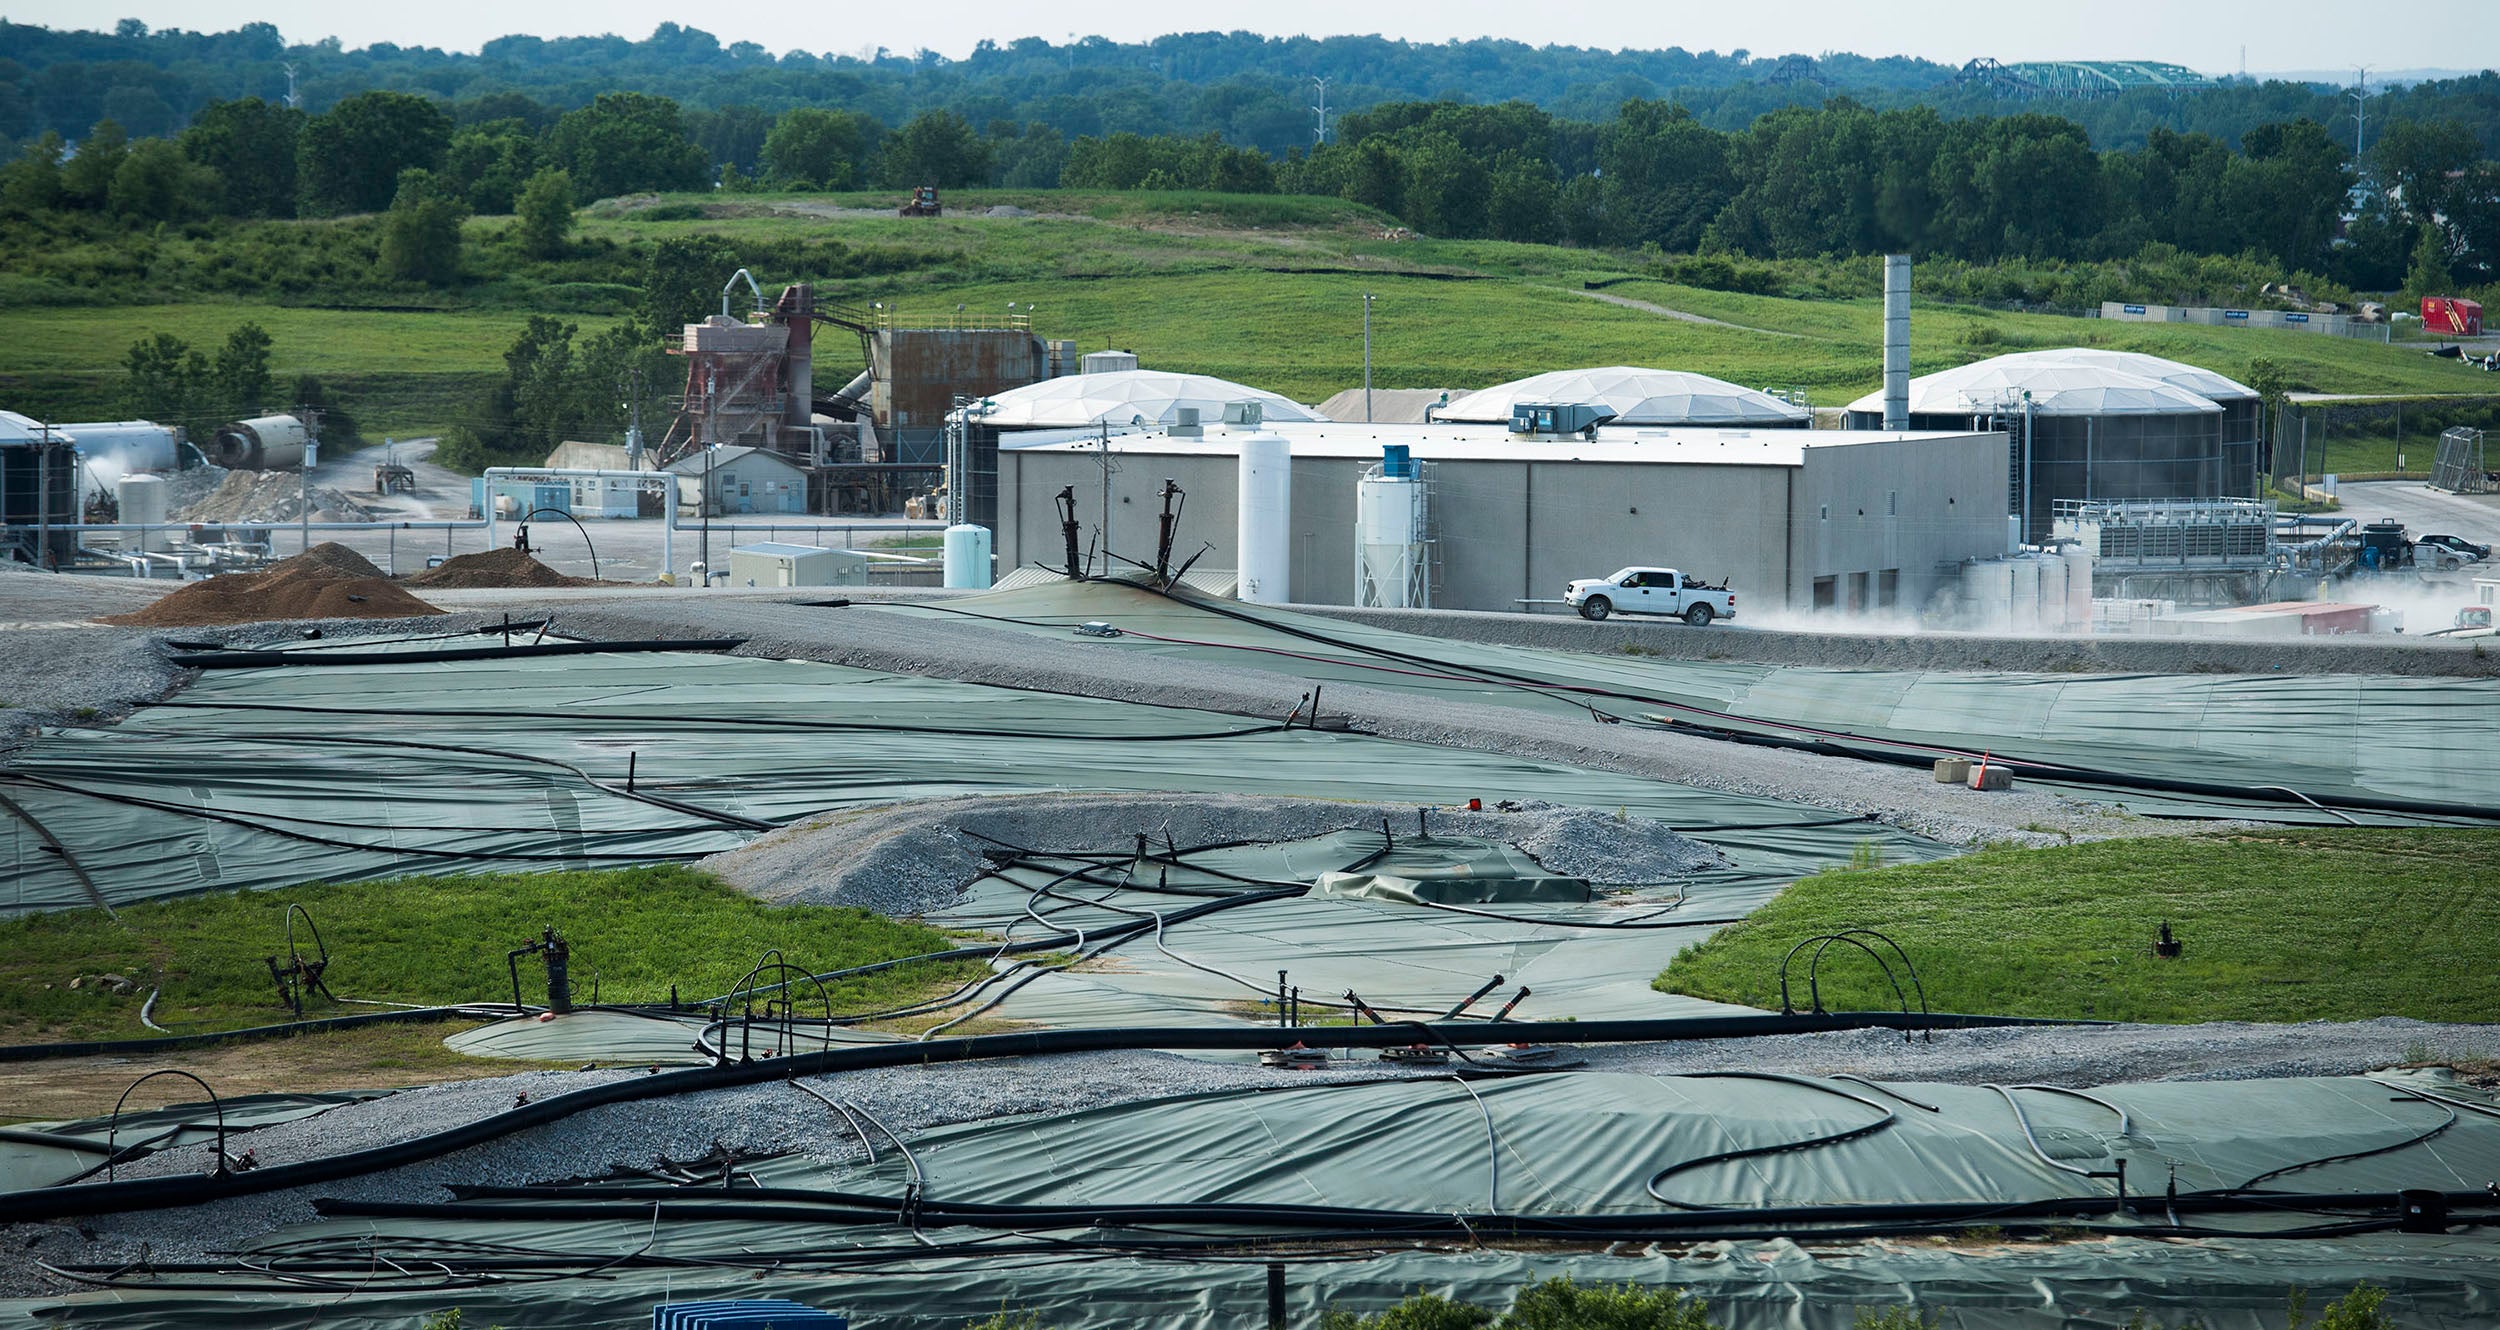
{"x": 1368, "y": 298}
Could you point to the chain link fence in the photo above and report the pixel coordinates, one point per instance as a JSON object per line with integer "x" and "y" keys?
{"x": 2381, "y": 439}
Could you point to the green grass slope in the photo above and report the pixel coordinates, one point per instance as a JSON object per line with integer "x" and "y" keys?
{"x": 1261, "y": 289}
{"x": 2277, "y": 926}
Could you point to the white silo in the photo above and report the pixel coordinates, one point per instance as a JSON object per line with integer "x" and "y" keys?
{"x": 2078, "y": 589}
{"x": 1263, "y": 536}
{"x": 968, "y": 557}
{"x": 1389, "y": 556}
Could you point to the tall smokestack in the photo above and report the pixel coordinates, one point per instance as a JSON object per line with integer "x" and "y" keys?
{"x": 796, "y": 310}
{"x": 1896, "y": 341}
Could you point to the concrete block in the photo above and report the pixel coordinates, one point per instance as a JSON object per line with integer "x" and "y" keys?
{"x": 1991, "y": 778}
{"x": 1952, "y": 770}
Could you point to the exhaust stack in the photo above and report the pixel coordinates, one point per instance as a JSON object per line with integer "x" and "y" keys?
{"x": 1896, "y": 341}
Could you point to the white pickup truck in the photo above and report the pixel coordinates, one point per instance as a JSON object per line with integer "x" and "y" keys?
{"x": 1651, "y": 591}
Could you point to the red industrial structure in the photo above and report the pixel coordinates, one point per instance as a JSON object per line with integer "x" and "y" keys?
{"x": 2452, "y": 315}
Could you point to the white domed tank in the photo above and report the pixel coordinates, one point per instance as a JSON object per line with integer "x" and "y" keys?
{"x": 1264, "y": 508}
{"x": 968, "y": 557}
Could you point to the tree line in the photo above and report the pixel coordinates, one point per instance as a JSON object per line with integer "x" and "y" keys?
{"x": 1800, "y": 182}
{"x": 1251, "y": 90}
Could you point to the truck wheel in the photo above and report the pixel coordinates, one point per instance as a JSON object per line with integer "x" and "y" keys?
{"x": 1596, "y": 607}
{"x": 1698, "y": 616}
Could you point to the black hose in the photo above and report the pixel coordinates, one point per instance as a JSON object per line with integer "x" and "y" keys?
{"x": 230, "y": 660}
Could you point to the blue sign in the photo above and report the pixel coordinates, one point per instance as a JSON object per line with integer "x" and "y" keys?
{"x": 2135, "y": 309}
{"x": 2239, "y": 314}
{"x": 2295, "y": 318}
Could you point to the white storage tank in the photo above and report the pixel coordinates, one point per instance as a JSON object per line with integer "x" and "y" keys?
{"x": 142, "y": 500}
{"x": 1988, "y": 590}
{"x": 133, "y": 445}
{"x": 968, "y": 557}
{"x": 2052, "y": 593}
{"x": 2078, "y": 589}
{"x": 1263, "y": 536}
{"x": 263, "y": 443}
{"x": 2024, "y": 604}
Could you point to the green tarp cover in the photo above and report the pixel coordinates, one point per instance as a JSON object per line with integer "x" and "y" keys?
{"x": 1586, "y": 959}
{"x": 1587, "y": 1142}
{"x": 71, "y": 1148}
{"x": 1568, "y": 1142}
{"x": 267, "y": 777}
{"x": 2414, "y": 738}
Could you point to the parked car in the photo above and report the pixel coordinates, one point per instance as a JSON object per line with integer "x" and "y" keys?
{"x": 1651, "y": 591}
{"x": 2459, "y": 545}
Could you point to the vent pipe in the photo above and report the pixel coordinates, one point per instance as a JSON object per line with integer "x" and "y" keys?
{"x": 1896, "y": 341}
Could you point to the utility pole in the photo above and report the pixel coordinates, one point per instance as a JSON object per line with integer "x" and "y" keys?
{"x": 711, "y": 456}
{"x": 312, "y": 456}
{"x": 1319, "y": 136}
{"x": 43, "y": 501}
{"x": 1368, "y": 298}
{"x": 633, "y": 419}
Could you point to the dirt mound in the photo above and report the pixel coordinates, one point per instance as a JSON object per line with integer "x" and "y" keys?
{"x": 327, "y": 581}
{"x": 495, "y": 568}
{"x": 270, "y": 496}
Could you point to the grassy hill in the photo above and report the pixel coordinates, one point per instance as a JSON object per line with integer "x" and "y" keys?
{"x": 1261, "y": 289}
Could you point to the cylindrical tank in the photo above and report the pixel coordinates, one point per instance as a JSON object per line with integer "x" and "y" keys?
{"x": 2078, "y": 590}
{"x": 1988, "y": 587}
{"x": 1263, "y": 536}
{"x": 1386, "y": 514}
{"x": 142, "y": 500}
{"x": 2052, "y": 593}
{"x": 263, "y": 443}
{"x": 2024, "y": 603}
{"x": 968, "y": 557}
{"x": 135, "y": 445}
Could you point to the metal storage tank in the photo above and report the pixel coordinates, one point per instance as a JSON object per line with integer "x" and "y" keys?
{"x": 1263, "y": 537}
{"x": 1988, "y": 590}
{"x": 1389, "y": 536}
{"x": 137, "y": 445}
{"x": 2023, "y": 605}
{"x": 262, "y": 443}
{"x": 2095, "y": 432}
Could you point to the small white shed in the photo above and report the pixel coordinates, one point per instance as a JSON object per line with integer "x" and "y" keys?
{"x": 772, "y": 563}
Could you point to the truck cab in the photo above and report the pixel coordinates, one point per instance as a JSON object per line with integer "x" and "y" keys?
{"x": 1660, "y": 591}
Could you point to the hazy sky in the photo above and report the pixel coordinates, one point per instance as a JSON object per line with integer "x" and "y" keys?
{"x": 2206, "y": 34}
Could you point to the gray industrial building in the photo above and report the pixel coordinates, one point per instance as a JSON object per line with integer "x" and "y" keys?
{"x": 1791, "y": 518}
{"x": 2086, "y": 423}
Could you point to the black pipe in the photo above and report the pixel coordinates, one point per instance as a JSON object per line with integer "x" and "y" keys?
{"x": 171, "y": 1043}
{"x": 162, "y": 1192}
{"x": 228, "y": 660}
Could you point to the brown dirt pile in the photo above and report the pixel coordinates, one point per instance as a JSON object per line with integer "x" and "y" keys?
{"x": 328, "y": 581}
{"x": 494, "y": 568}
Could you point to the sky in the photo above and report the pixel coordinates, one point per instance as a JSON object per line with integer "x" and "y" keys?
{"x": 2209, "y": 35}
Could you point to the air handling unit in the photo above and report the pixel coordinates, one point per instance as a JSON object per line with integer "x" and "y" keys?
{"x": 1393, "y": 533}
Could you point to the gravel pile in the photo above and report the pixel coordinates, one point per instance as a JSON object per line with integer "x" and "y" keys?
{"x": 328, "y": 581}
{"x": 269, "y": 496}
{"x": 909, "y": 859}
{"x": 494, "y": 568}
{"x": 77, "y": 676}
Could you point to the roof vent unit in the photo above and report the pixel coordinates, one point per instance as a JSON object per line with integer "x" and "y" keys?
{"x": 1557, "y": 419}
{"x": 1109, "y": 362}
{"x": 1252, "y": 414}
{"x": 1185, "y": 423}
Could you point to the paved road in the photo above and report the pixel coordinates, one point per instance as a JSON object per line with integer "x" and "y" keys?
{"x": 2427, "y": 511}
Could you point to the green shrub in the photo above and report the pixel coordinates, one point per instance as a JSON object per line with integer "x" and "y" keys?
{"x": 1560, "y": 1304}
